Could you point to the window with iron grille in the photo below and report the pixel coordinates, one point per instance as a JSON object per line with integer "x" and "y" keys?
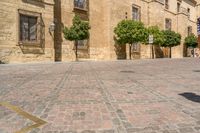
{"x": 28, "y": 28}
{"x": 80, "y": 4}
{"x": 168, "y": 24}
{"x": 135, "y": 13}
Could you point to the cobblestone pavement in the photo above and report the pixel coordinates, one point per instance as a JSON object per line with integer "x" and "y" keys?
{"x": 144, "y": 96}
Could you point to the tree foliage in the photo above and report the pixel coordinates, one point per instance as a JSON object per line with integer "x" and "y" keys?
{"x": 129, "y": 32}
{"x": 158, "y": 35}
{"x": 191, "y": 41}
{"x": 78, "y": 31}
{"x": 171, "y": 38}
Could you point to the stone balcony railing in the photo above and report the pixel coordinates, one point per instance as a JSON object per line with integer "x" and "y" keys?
{"x": 183, "y": 11}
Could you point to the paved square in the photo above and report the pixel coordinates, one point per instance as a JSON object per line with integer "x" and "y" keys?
{"x": 143, "y": 96}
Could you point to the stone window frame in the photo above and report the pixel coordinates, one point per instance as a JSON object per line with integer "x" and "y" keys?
{"x": 168, "y": 27}
{"x": 136, "y": 47}
{"x": 189, "y": 12}
{"x": 31, "y": 14}
{"x": 85, "y": 8}
{"x": 139, "y": 10}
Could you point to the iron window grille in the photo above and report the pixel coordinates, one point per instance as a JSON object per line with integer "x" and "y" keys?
{"x": 31, "y": 28}
{"x": 80, "y": 4}
{"x": 168, "y": 24}
{"x": 136, "y": 13}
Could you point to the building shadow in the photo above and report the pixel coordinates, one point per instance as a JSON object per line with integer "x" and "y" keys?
{"x": 120, "y": 50}
{"x": 158, "y": 52}
{"x": 1, "y": 62}
{"x": 191, "y": 96}
{"x": 197, "y": 71}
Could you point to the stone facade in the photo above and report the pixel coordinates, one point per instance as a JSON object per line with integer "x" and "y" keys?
{"x": 103, "y": 16}
{"x": 11, "y": 49}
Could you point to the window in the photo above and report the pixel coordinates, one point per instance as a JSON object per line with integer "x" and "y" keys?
{"x": 135, "y": 13}
{"x": 188, "y": 11}
{"x": 178, "y": 7}
{"x": 82, "y": 43}
{"x": 168, "y": 24}
{"x": 136, "y": 47}
{"x": 166, "y": 4}
{"x": 80, "y": 4}
{"x": 28, "y": 28}
{"x": 189, "y": 30}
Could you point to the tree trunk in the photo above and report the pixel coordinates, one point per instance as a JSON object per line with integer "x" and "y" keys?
{"x": 170, "y": 52}
{"x": 76, "y": 50}
{"x": 193, "y": 52}
{"x": 130, "y": 51}
{"x": 152, "y": 49}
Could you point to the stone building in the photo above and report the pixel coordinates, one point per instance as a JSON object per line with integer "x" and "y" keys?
{"x": 24, "y": 32}
{"x": 27, "y": 27}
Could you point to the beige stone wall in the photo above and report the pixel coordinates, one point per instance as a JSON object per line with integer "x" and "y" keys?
{"x": 99, "y": 35}
{"x": 180, "y": 23}
{"x": 10, "y": 51}
{"x": 67, "y": 15}
{"x": 118, "y": 10}
{"x": 103, "y": 16}
{"x": 152, "y": 13}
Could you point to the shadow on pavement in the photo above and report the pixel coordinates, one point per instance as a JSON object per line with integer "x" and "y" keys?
{"x": 191, "y": 96}
{"x": 196, "y": 71}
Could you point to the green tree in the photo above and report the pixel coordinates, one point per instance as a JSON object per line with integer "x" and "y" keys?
{"x": 78, "y": 31}
{"x": 158, "y": 37}
{"x": 191, "y": 41}
{"x": 129, "y": 32}
{"x": 171, "y": 39}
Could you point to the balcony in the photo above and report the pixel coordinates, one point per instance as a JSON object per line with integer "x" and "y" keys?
{"x": 184, "y": 11}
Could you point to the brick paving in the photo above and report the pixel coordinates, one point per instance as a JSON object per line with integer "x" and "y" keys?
{"x": 144, "y": 96}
